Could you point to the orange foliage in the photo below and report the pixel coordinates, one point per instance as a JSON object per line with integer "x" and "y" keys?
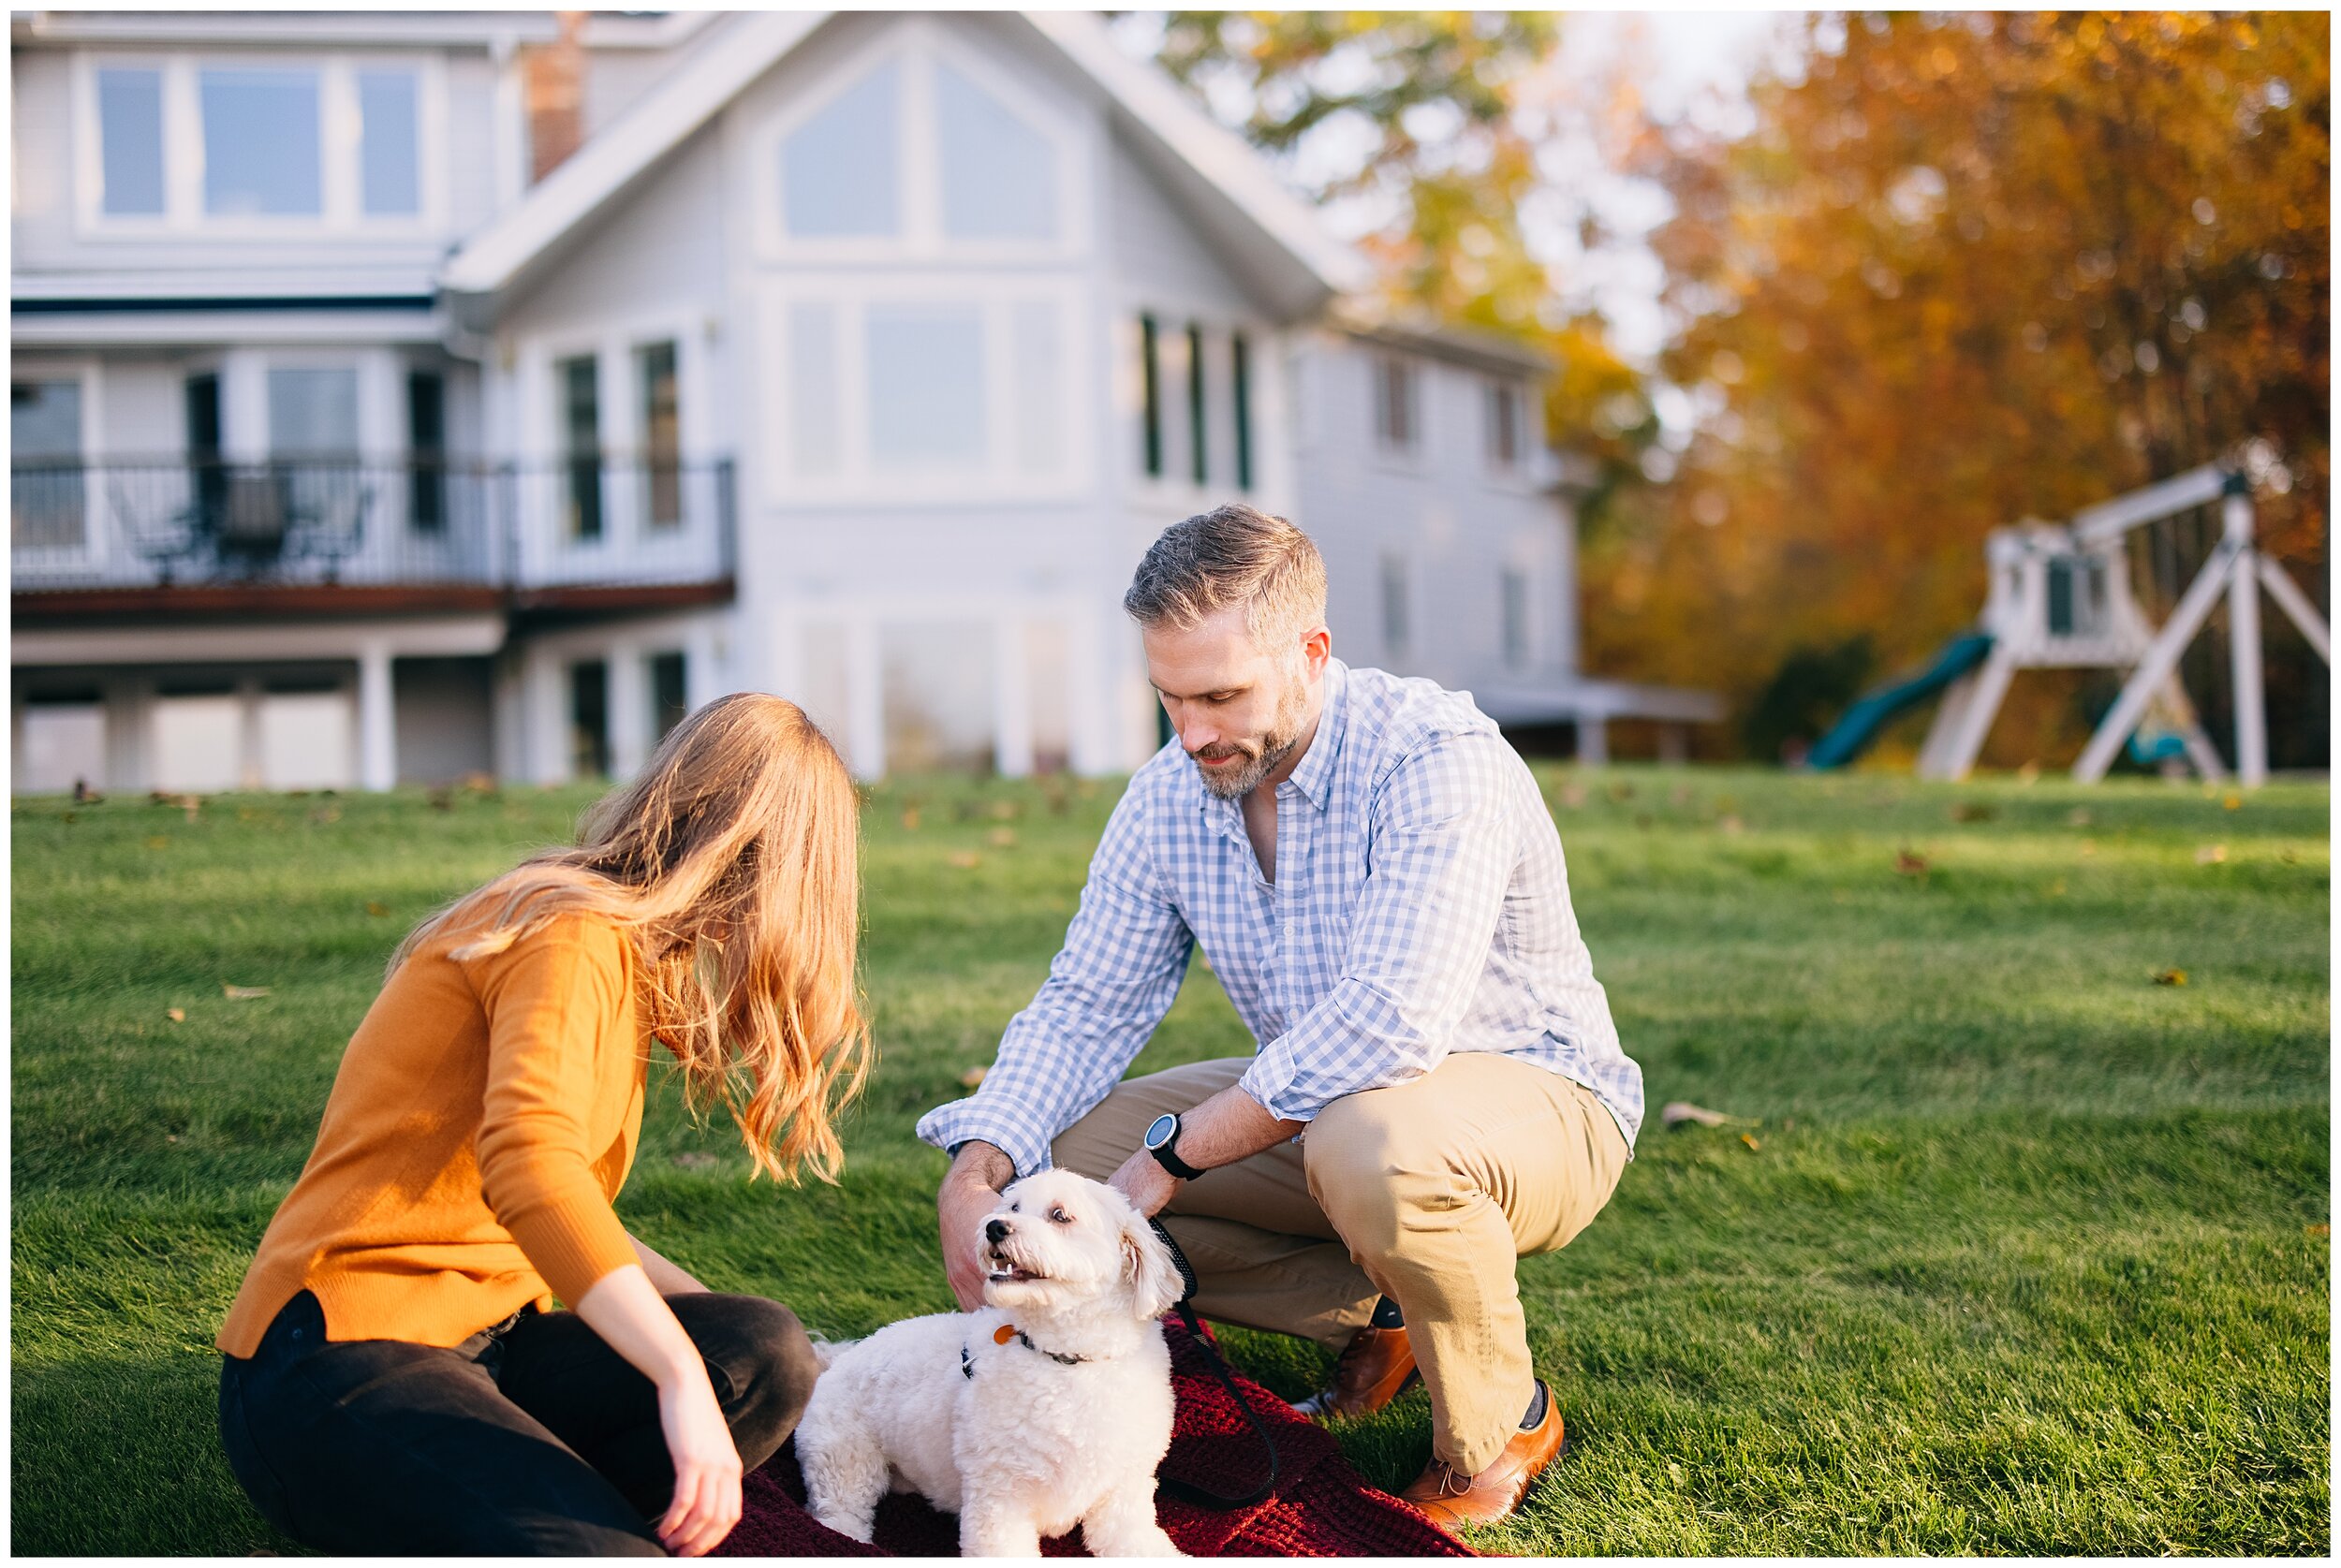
{"x": 1971, "y": 268}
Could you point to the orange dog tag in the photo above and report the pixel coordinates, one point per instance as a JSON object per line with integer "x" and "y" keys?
{"x": 1004, "y": 1333}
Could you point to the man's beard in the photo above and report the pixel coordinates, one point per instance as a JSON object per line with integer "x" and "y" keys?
{"x": 1266, "y": 753}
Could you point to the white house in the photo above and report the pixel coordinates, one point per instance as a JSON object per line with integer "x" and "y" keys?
{"x": 853, "y": 356}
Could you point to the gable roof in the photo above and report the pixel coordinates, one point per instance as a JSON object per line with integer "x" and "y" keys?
{"x": 1271, "y": 236}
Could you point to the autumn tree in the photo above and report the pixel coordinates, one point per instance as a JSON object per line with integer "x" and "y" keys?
{"x": 1440, "y": 117}
{"x": 1965, "y": 270}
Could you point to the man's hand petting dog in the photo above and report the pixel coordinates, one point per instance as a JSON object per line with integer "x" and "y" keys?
{"x": 971, "y": 1189}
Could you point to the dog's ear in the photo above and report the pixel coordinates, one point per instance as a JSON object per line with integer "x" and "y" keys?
{"x": 1155, "y": 1282}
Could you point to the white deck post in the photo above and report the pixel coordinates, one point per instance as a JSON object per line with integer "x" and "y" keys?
{"x": 1011, "y": 698}
{"x": 1593, "y": 741}
{"x": 377, "y": 719}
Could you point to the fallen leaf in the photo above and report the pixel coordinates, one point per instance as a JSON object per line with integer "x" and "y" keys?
{"x": 965, "y": 860}
{"x": 1730, "y": 824}
{"x": 973, "y": 1076}
{"x": 333, "y": 814}
{"x": 243, "y": 994}
{"x": 2233, "y": 801}
{"x": 2057, "y": 889}
{"x": 1002, "y": 838}
{"x": 2169, "y": 977}
{"x": 2320, "y": 1230}
{"x": 1675, "y": 1113}
{"x": 1909, "y": 864}
{"x": 2088, "y": 847}
{"x": 190, "y": 804}
{"x": 1971, "y": 811}
{"x": 171, "y": 1137}
{"x": 377, "y": 909}
{"x": 2028, "y": 774}
{"x": 176, "y": 1014}
{"x": 1573, "y": 796}
{"x": 1680, "y": 796}
{"x": 442, "y": 799}
{"x": 1750, "y": 1139}
{"x": 2077, "y": 817}
{"x": 1006, "y": 810}
{"x": 1621, "y": 792}
{"x": 911, "y": 819}
{"x": 2211, "y": 855}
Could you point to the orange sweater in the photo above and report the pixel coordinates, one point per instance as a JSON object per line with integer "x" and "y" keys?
{"x": 483, "y": 1118}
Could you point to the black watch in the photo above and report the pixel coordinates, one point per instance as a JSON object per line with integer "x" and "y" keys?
{"x": 1162, "y": 1142}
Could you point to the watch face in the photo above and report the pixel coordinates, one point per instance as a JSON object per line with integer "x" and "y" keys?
{"x": 1161, "y": 1131}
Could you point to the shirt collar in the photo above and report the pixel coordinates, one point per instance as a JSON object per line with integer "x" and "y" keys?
{"x": 1314, "y": 775}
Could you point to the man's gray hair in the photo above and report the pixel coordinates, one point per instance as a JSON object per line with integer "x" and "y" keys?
{"x": 1232, "y": 555}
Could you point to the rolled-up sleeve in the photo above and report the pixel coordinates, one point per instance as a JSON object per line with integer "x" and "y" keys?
{"x": 1440, "y": 854}
{"x": 1109, "y": 987}
{"x": 559, "y": 1042}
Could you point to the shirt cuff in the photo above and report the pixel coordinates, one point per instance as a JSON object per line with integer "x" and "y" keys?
{"x": 1270, "y": 1081}
{"x": 573, "y": 1238}
{"x": 964, "y": 1119}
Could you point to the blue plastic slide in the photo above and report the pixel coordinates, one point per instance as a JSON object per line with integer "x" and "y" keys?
{"x": 1872, "y": 710}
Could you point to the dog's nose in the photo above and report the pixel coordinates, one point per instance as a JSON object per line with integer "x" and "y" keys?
{"x": 995, "y": 1232}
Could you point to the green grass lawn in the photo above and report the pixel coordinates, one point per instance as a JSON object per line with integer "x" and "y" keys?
{"x": 2028, "y": 1252}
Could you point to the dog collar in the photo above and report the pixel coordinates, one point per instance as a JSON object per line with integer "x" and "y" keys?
{"x": 1000, "y": 1336}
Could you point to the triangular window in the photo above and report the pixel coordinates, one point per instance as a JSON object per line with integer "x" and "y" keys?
{"x": 840, "y": 170}
{"x": 998, "y": 174}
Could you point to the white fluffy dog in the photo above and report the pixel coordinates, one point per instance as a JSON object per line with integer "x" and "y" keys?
{"x": 1047, "y": 1407}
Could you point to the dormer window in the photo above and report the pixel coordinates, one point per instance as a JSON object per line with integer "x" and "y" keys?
{"x": 238, "y": 145}
{"x": 924, "y": 150}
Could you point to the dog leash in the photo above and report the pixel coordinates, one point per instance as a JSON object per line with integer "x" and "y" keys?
{"x": 1186, "y": 1491}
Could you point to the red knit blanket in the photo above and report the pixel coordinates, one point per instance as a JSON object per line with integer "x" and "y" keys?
{"x": 1322, "y": 1507}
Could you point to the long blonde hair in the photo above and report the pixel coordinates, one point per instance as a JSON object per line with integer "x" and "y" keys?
{"x": 730, "y": 864}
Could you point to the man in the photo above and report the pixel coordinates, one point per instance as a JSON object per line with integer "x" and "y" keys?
{"x": 1438, "y": 1089}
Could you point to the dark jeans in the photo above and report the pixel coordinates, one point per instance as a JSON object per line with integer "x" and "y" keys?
{"x": 530, "y": 1437}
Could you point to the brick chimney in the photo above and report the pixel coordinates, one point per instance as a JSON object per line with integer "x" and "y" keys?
{"x": 555, "y": 77}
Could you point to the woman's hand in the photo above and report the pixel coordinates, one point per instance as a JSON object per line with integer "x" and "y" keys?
{"x": 636, "y": 1322}
{"x": 706, "y": 1466}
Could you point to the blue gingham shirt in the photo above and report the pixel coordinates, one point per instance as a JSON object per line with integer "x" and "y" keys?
{"x": 1420, "y": 907}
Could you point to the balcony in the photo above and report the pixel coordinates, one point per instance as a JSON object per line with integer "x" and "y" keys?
{"x": 181, "y": 536}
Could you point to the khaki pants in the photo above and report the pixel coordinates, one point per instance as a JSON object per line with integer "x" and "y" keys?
{"x": 1428, "y": 1192}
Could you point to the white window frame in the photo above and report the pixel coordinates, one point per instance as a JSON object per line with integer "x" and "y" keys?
{"x": 342, "y": 214}
{"x": 913, "y": 47}
{"x": 1414, "y": 456}
{"x": 612, "y": 347}
{"x": 856, "y": 478}
{"x": 96, "y": 513}
{"x": 1491, "y": 397}
{"x": 1176, "y": 486}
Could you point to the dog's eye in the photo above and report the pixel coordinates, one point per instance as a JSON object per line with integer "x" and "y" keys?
{"x": 1016, "y": 1208}
{"x": 1060, "y": 1217}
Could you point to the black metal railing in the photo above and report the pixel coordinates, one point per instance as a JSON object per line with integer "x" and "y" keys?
{"x": 202, "y": 521}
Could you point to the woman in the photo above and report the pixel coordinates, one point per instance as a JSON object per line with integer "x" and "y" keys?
{"x": 396, "y": 1378}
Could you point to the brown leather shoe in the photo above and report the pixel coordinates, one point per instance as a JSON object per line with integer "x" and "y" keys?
{"x": 1375, "y": 1369}
{"x": 1451, "y": 1500}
